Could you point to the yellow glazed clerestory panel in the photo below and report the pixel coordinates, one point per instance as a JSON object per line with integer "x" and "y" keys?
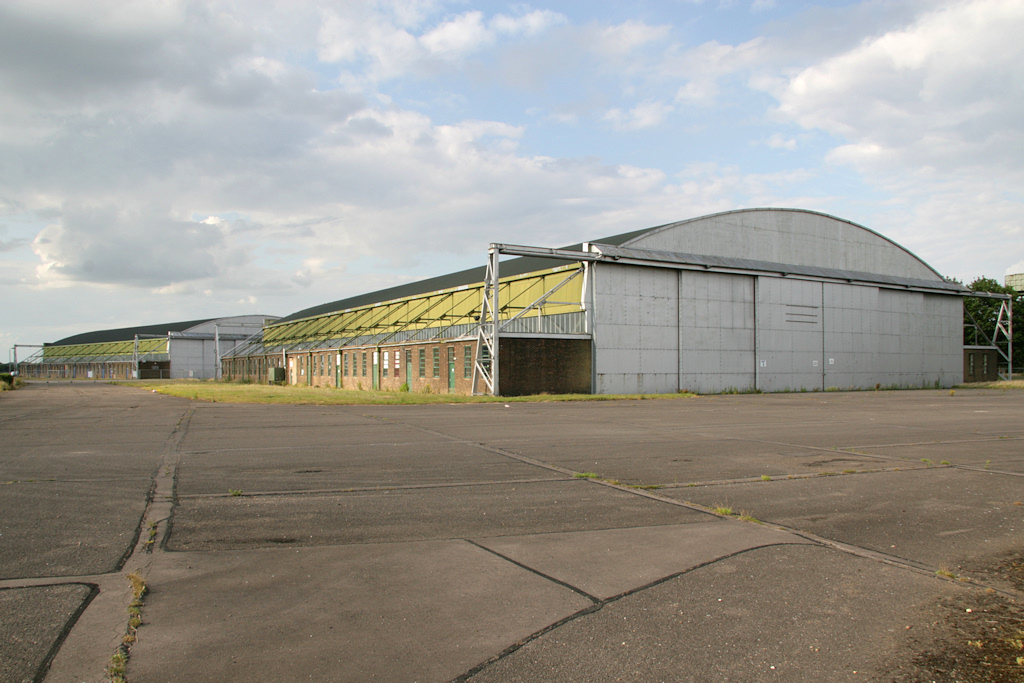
{"x": 102, "y": 351}
{"x": 443, "y": 308}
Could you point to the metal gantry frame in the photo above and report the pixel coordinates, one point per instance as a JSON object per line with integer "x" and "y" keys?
{"x": 485, "y": 366}
{"x": 1001, "y": 334}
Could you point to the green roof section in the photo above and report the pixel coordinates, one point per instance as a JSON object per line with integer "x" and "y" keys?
{"x": 128, "y": 333}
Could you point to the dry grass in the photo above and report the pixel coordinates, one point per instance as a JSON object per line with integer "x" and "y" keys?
{"x": 1010, "y": 384}
{"x": 225, "y": 392}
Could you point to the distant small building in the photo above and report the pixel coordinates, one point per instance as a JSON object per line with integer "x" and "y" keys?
{"x": 179, "y": 350}
{"x": 981, "y": 364}
{"x": 1016, "y": 281}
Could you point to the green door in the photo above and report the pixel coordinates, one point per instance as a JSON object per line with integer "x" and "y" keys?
{"x": 451, "y": 369}
{"x": 376, "y": 370}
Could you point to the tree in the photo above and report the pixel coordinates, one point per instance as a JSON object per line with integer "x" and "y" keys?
{"x": 980, "y": 316}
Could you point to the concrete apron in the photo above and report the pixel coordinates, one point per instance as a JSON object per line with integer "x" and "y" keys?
{"x": 424, "y": 611}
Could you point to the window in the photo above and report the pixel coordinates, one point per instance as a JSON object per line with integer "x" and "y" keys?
{"x": 364, "y": 363}
{"x": 437, "y": 362}
{"x": 398, "y": 363}
{"x": 423, "y": 362}
{"x": 970, "y": 364}
{"x": 344, "y": 357}
{"x": 984, "y": 364}
{"x": 467, "y": 362}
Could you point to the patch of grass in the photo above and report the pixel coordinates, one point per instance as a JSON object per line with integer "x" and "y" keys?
{"x": 944, "y": 462}
{"x": 228, "y": 392}
{"x": 928, "y": 462}
{"x": 115, "y": 671}
{"x": 723, "y": 510}
{"x": 138, "y": 585}
{"x": 585, "y": 475}
{"x": 1009, "y": 384}
{"x": 849, "y": 471}
{"x": 765, "y": 477}
{"x": 646, "y": 487}
{"x": 945, "y": 573}
{"x": 235, "y": 492}
{"x": 749, "y": 518}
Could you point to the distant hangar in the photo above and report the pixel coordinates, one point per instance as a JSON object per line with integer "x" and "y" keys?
{"x": 177, "y": 350}
{"x": 749, "y": 300}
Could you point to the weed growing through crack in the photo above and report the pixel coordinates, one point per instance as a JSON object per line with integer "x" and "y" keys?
{"x": 235, "y": 492}
{"x": 152, "y": 537}
{"x": 119, "y": 660}
{"x": 723, "y": 510}
{"x": 585, "y": 475}
{"x": 765, "y": 477}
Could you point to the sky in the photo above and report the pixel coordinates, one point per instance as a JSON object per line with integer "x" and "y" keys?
{"x": 166, "y": 160}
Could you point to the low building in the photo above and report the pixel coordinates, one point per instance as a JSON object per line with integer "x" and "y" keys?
{"x": 189, "y": 349}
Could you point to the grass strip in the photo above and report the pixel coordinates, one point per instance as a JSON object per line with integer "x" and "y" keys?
{"x": 229, "y": 392}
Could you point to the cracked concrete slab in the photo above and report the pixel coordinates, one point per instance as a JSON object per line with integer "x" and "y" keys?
{"x": 611, "y": 562}
{"x": 423, "y": 611}
{"x": 68, "y": 528}
{"x": 790, "y": 613}
{"x": 941, "y": 516}
{"x": 34, "y": 620}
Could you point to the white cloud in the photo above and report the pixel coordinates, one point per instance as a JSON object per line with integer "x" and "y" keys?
{"x": 644, "y": 115}
{"x": 930, "y": 113}
{"x": 947, "y": 89}
{"x": 394, "y": 44}
{"x": 462, "y": 35}
{"x": 529, "y": 24}
{"x": 780, "y": 141}
{"x": 627, "y": 37}
{"x": 151, "y": 251}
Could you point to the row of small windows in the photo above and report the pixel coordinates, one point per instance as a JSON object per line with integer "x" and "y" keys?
{"x": 357, "y": 363}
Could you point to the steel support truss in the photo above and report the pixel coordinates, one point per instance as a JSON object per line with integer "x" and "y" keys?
{"x": 1000, "y": 336}
{"x": 485, "y": 366}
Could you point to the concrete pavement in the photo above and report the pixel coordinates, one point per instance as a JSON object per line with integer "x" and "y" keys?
{"x": 438, "y": 543}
